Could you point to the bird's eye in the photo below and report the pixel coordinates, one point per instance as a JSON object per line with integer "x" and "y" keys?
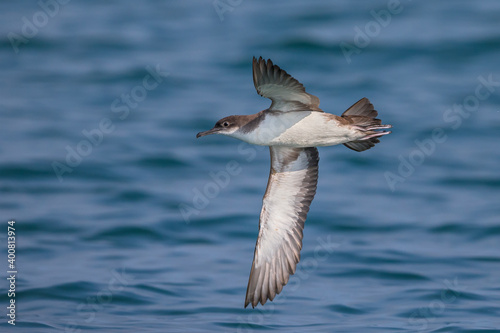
{"x": 225, "y": 124}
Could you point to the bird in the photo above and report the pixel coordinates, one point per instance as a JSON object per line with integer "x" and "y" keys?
{"x": 293, "y": 126}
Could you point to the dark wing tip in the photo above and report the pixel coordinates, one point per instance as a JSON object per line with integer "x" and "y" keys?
{"x": 265, "y": 71}
{"x": 248, "y": 301}
{"x": 257, "y": 71}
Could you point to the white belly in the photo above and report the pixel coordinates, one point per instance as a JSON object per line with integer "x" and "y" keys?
{"x": 301, "y": 129}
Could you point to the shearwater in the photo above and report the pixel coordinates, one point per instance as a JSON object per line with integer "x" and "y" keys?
{"x": 292, "y": 127}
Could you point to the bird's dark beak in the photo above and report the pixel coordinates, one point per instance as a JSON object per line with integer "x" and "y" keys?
{"x": 212, "y": 131}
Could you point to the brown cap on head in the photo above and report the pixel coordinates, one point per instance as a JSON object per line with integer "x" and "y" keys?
{"x": 228, "y": 124}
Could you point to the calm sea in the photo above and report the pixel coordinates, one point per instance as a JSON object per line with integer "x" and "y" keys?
{"x": 121, "y": 225}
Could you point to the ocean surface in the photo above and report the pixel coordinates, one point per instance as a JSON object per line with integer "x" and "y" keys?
{"x": 125, "y": 222}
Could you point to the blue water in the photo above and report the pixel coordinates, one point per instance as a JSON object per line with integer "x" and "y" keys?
{"x": 403, "y": 237}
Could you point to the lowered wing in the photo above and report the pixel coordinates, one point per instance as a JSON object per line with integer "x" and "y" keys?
{"x": 290, "y": 191}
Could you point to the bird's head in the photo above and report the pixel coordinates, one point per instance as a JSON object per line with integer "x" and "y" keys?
{"x": 225, "y": 126}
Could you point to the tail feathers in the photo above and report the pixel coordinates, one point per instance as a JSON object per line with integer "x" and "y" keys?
{"x": 366, "y": 142}
{"x": 363, "y": 107}
{"x": 362, "y": 145}
{"x": 361, "y": 116}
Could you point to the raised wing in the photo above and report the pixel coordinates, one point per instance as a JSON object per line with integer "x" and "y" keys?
{"x": 290, "y": 190}
{"x": 285, "y": 92}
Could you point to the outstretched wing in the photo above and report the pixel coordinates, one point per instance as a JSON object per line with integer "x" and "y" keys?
{"x": 290, "y": 190}
{"x": 286, "y": 93}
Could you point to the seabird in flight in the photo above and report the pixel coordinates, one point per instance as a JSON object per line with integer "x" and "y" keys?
{"x": 292, "y": 127}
